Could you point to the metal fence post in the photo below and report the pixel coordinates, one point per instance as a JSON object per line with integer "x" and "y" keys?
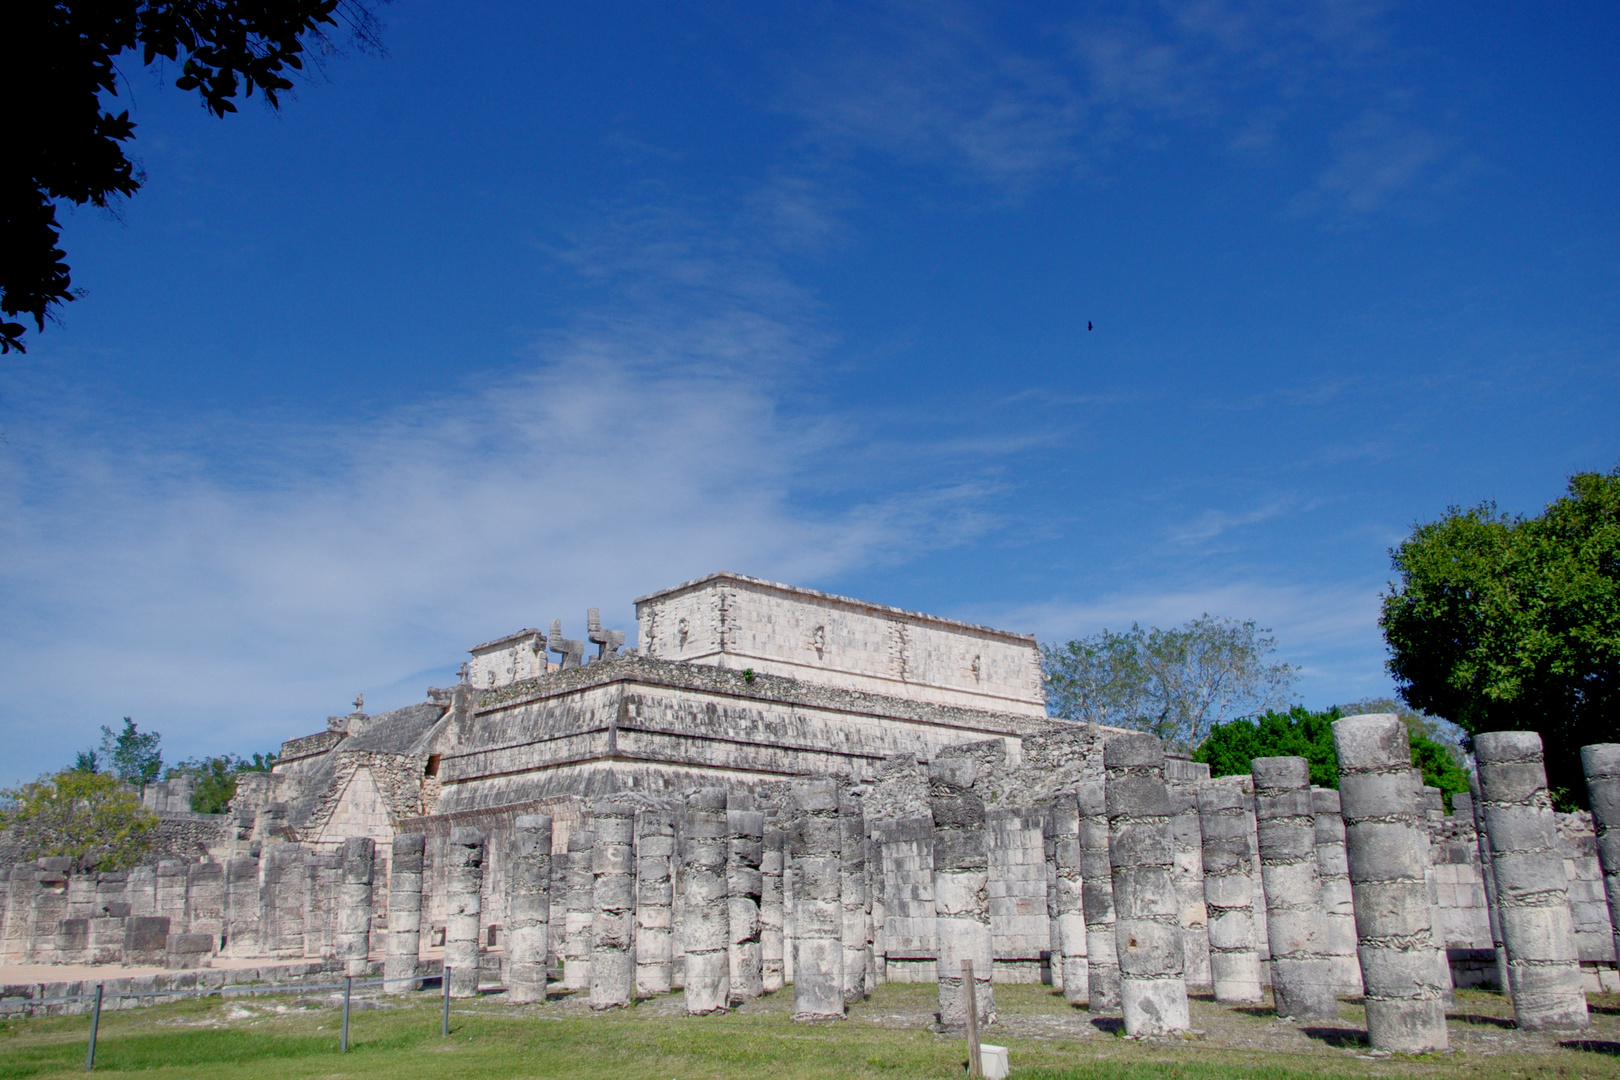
{"x": 348, "y": 986}
{"x": 446, "y": 1032}
{"x": 975, "y": 1065}
{"x": 95, "y": 1024}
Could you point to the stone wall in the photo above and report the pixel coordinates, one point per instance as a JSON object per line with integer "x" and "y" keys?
{"x": 738, "y": 622}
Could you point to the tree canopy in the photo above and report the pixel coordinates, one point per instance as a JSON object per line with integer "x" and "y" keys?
{"x": 1232, "y": 747}
{"x": 92, "y": 818}
{"x": 1178, "y": 684}
{"x": 1501, "y": 622}
{"x": 134, "y": 756}
{"x": 214, "y": 778}
{"x": 57, "y": 62}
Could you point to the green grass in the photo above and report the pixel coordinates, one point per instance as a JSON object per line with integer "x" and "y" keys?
{"x": 885, "y": 1037}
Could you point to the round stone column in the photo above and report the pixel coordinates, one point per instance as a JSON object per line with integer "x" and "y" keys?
{"x": 351, "y": 940}
{"x": 706, "y": 924}
{"x": 613, "y": 896}
{"x": 1301, "y": 975}
{"x": 1097, "y": 897}
{"x": 1338, "y": 903}
{"x": 404, "y": 914}
{"x": 1531, "y": 890}
{"x": 744, "y": 887}
{"x": 1601, "y": 762}
{"x": 961, "y": 904}
{"x": 529, "y": 909}
{"x": 655, "y": 897}
{"x": 1387, "y": 848}
{"x": 818, "y": 925}
{"x": 1147, "y": 920}
{"x": 1070, "y": 907}
{"x": 463, "y": 895}
{"x": 1224, "y": 810}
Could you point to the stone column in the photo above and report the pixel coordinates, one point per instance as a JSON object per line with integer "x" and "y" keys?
{"x": 281, "y": 899}
{"x": 707, "y": 931}
{"x": 463, "y": 903}
{"x": 876, "y": 961}
{"x": 172, "y": 875}
{"x": 51, "y": 906}
{"x": 143, "y": 889}
{"x": 1487, "y": 875}
{"x": 1224, "y": 812}
{"x": 241, "y": 915}
{"x": 1338, "y": 904}
{"x": 1386, "y": 847}
{"x": 852, "y": 896}
{"x": 1301, "y": 974}
{"x": 1147, "y": 926}
{"x": 1097, "y": 894}
{"x": 1601, "y": 762}
{"x": 818, "y": 951}
{"x": 655, "y": 893}
{"x": 19, "y": 929}
{"x": 581, "y": 915}
{"x": 205, "y": 901}
{"x": 613, "y": 963}
{"x": 351, "y": 940}
{"x": 770, "y": 906}
{"x": 404, "y": 914}
{"x": 1537, "y": 925}
{"x": 745, "y": 840}
{"x": 1181, "y": 779}
{"x": 1070, "y": 912}
{"x": 528, "y": 909}
{"x": 961, "y": 903}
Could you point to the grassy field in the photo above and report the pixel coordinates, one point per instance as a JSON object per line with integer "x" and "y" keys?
{"x": 288, "y": 1037}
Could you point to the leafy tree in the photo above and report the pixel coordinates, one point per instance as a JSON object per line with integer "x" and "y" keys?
{"x": 1232, "y": 747}
{"x": 92, "y": 818}
{"x": 87, "y": 761}
{"x": 1501, "y": 622}
{"x": 135, "y": 756}
{"x": 1178, "y": 684}
{"x": 57, "y": 60}
{"x": 215, "y": 778}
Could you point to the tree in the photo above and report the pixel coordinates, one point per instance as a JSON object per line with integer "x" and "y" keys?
{"x": 1178, "y": 684}
{"x": 214, "y": 778}
{"x": 1232, "y": 747}
{"x": 57, "y": 60}
{"x": 92, "y": 818}
{"x": 133, "y": 755}
{"x": 1501, "y": 622}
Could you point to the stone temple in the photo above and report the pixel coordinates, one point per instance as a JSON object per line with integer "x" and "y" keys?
{"x": 781, "y": 787}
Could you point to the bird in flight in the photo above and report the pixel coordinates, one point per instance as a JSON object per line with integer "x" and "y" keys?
{"x": 1088, "y": 324}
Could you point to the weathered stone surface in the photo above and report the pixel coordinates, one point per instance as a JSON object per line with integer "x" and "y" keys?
{"x": 1301, "y": 972}
{"x": 1601, "y": 762}
{"x": 613, "y": 900}
{"x": 855, "y": 907}
{"x": 1097, "y": 895}
{"x": 1338, "y": 902}
{"x": 961, "y": 901}
{"x": 745, "y": 851}
{"x": 404, "y": 913}
{"x": 1533, "y": 899}
{"x": 352, "y": 940}
{"x": 1386, "y": 850}
{"x": 707, "y": 929}
{"x": 818, "y": 955}
{"x": 1181, "y": 778}
{"x": 464, "y": 886}
{"x": 655, "y": 895}
{"x": 580, "y": 910}
{"x": 1069, "y": 902}
{"x": 771, "y": 924}
{"x": 1147, "y": 926}
{"x": 528, "y": 909}
{"x": 1225, "y": 812}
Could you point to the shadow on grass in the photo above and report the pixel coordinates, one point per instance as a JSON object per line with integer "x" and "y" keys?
{"x": 197, "y": 1048}
{"x": 1109, "y": 1025}
{"x": 1480, "y": 1020}
{"x": 1593, "y": 1046}
{"x": 1343, "y": 1038}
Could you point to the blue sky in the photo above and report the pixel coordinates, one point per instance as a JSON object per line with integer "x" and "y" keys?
{"x": 549, "y": 308}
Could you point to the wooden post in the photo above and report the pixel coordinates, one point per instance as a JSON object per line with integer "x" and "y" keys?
{"x": 445, "y": 1033}
{"x": 975, "y": 1066}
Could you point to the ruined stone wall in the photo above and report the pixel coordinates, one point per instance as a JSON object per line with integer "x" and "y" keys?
{"x": 738, "y": 622}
